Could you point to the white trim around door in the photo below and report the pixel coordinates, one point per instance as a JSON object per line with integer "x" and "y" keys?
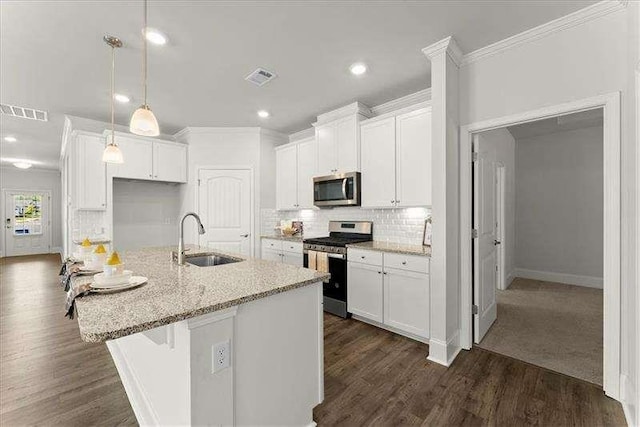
{"x": 45, "y": 225}
{"x": 612, "y": 232}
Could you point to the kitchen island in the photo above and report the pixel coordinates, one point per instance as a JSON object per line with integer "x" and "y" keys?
{"x": 233, "y": 344}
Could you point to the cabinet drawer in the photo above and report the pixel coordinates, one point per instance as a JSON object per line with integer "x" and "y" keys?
{"x": 419, "y": 264}
{"x": 295, "y": 247}
{"x": 364, "y": 257}
{"x": 272, "y": 244}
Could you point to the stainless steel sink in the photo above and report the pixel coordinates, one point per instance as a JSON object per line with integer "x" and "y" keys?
{"x": 209, "y": 260}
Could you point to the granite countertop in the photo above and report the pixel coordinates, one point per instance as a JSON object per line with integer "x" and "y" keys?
{"x": 297, "y": 238}
{"x": 175, "y": 293}
{"x": 399, "y": 248}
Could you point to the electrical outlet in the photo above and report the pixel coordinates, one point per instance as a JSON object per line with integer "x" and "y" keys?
{"x": 221, "y": 357}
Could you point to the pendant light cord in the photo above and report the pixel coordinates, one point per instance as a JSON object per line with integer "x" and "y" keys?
{"x": 144, "y": 57}
{"x": 113, "y": 89}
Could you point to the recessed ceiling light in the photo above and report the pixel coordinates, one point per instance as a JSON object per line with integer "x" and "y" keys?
{"x": 121, "y": 98}
{"x": 263, "y": 114}
{"x": 22, "y": 165}
{"x": 156, "y": 37}
{"x": 358, "y": 69}
{"x": 10, "y": 138}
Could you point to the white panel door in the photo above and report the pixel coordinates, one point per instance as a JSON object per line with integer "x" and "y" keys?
{"x": 225, "y": 209}
{"x": 169, "y": 162}
{"x": 286, "y": 178}
{"x": 138, "y": 159}
{"x": 378, "y": 163}
{"x": 91, "y": 185}
{"x": 293, "y": 259}
{"x": 307, "y": 169}
{"x": 27, "y": 223}
{"x": 348, "y": 159}
{"x": 271, "y": 255}
{"x": 364, "y": 293}
{"x": 485, "y": 279}
{"x": 413, "y": 161}
{"x": 326, "y": 136}
{"x": 406, "y": 301}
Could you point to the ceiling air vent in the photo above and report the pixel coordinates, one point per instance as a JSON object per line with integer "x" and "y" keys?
{"x": 23, "y": 112}
{"x": 260, "y": 76}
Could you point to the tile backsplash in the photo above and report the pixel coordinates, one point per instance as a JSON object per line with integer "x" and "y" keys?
{"x": 390, "y": 225}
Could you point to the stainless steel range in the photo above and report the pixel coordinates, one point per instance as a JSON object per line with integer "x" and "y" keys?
{"x": 341, "y": 233}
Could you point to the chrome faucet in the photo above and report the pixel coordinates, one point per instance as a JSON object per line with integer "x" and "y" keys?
{"x": 181, "y": 249}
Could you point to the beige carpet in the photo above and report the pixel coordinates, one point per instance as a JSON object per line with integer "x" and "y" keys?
{"x": 552, "y": 325}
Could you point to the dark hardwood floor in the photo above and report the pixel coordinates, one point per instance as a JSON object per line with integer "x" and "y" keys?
{"x": 373, "y": 377}
{"x": 48, "y": 376}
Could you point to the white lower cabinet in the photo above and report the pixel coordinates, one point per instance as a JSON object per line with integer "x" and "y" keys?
{"x": 391, "y": 290}
{"x": 364, "y": 290}
{"x": 283, "y": 251}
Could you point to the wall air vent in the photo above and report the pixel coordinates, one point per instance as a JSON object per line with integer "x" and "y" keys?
{"x": 24, "y": 112}
{"x": 260, "y": 77}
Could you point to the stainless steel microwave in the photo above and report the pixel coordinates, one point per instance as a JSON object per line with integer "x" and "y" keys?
{"x": 337, "y": 190}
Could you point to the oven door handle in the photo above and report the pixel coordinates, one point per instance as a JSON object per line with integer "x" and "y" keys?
{"x": 336, "y": 256}
{"x": 344, "y": 188}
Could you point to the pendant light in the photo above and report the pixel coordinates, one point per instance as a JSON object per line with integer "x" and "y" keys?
{"x": 143, "y": 122}
{"x": 112, "y": 153}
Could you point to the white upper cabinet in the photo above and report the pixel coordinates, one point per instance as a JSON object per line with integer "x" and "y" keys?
{"x": 348, "y": 145}
{"x": 147, "y": 159}
{"x": 396, "y": 160}
{"x": 91, "y": 184}
{"x": 327, "y": 142}
{"x": 307, "y": 169}
{"x": 286, "y": 177}
{"x": 413, "y": 158}
{"x": 169, "y": 162}
{"x": 378, "y": 163}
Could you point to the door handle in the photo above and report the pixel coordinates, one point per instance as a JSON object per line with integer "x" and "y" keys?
{"x": 246, "y": 235}
{"x": 496, "y": 242}
{"x": 344, "y": 188}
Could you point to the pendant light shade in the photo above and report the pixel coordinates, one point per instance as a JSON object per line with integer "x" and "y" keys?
{"x": 143, "y": 122}
{"x": 112, "y": 153}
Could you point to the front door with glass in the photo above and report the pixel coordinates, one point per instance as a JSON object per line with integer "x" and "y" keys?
{"x": 27, "y": 229}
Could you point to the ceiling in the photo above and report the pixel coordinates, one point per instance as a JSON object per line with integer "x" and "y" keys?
{"x": 581, "y": 120}
{"x": 52, "y": 57}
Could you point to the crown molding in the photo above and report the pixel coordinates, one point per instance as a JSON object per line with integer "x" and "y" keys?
{"x": 448, "y": 45}
{"x": 185, "y": 133}
{"x": 578, "y": 17}
{"x": 347, "y": 110}
{"x": 303, "y": 134}
{"x": 403, "y": 102}
{"x": 273, "y": 134}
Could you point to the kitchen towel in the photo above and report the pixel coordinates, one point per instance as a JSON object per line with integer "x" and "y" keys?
{"x": 70, "y": 268}
{"x": 313, "y": 259}
{"x": 75, "y": 290}
{"x": 322, "y": 262}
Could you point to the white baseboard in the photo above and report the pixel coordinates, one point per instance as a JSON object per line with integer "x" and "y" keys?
{"x": 391, "y": 329}
{"x": 569, "y": 279}
{"x": 141, "y": 406}
{"x": 444, "y": 353}
{"x": 510, "y": 277}
{"x": 630, "y": 403}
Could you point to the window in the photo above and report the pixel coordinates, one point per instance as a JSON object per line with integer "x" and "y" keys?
{"x": 27, "y": 214}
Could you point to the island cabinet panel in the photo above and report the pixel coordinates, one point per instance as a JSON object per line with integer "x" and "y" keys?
{"x": 91, "y": 182}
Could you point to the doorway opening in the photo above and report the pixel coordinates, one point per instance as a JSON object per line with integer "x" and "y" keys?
{"x": 27, "y": 222}
{"x": 478, "y": 302}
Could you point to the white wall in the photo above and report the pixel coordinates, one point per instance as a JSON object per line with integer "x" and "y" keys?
{"x": 36, "y": 179}
{"x": 145, "y": 214}
{"x": 502, "y": 147}
{"x": 581, "y": 61}
{"x": 559, "y": 196}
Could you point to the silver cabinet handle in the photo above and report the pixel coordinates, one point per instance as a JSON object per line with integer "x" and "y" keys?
{"x": 393, "y": 202}
{"x": 404, "y": 262}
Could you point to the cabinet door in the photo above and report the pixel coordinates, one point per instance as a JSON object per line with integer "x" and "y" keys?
{"x": 378, "y": 163}
{"x": 138, "y": 159}
{"x": 270, "y": 255}
{"x": 348, "y": 145}
{"x": 169, "y": 162}
{"x": 293, "y": 259}
{"x": 406, "y": 301}
{"x": 91, "y": 184}
{"x": 413, "y": 161}
{"x": 364, "y": 290}
{"x": 326, "y": 137}
{"x": 286, "y": 178}
{"x": 307, "y": 169}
